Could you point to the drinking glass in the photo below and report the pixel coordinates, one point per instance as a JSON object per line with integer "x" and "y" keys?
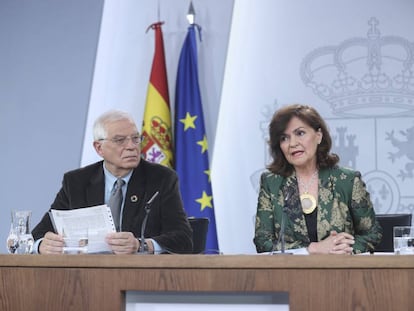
{"x": 76, "y": 241}
{"x": 25, "y": 243}
{"x": 12, "y": 240}
{"x": 404, "y": 240}
{"x": 20, "y": 240}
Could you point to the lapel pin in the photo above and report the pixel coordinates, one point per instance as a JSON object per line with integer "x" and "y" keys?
{"x": 134, "y": 198}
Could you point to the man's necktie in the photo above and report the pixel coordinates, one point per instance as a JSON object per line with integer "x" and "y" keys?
{"x": 115, "y": 202}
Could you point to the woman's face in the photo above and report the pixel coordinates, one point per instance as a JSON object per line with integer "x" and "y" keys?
{"x": 299, "y": 143}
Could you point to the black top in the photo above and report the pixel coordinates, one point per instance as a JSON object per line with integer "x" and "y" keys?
{"x": 311, "y": 225}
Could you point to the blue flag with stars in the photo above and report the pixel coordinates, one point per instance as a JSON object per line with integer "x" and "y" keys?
{"x": 191, "y": 147}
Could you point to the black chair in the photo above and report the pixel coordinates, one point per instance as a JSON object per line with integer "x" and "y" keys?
{"x": 388, "y": 222}
{"x": 200, "y": 229}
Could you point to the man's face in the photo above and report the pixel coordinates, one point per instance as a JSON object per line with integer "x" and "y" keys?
{"x": 121, "y": 148}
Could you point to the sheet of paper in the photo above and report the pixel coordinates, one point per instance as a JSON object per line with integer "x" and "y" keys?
{"x": 293, "y": 251}
{"x": 98, "y": 220}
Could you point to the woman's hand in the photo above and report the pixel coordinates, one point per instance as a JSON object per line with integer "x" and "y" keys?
{"x": 335, "y": 243}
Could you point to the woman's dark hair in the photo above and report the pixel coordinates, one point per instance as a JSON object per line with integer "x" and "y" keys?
{"x": 308, "y": 115}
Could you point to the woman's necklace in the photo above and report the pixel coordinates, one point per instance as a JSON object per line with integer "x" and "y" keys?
{"x": 307, "y": 200}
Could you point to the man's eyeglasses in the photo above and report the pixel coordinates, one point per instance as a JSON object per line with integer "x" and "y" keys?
{"x": 123, "y": 140}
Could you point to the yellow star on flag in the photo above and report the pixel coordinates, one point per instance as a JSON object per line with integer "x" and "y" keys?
{"x": 205, "y": 201}
{"x": 203, "y": 143}
{"x": 188, "y": 121}
{"x": 207, "y": 172}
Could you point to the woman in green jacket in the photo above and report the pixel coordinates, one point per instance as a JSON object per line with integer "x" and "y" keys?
{"x": 306, "y": 201}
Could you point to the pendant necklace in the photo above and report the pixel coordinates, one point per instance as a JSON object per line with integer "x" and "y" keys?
{"x": 307, "y": 200}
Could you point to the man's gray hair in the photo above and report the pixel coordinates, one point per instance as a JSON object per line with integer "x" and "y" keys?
{"x": 99, "y": 127}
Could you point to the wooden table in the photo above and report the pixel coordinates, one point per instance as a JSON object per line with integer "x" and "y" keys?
{"x": 99, "y": 282}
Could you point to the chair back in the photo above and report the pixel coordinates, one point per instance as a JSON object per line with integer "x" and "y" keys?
{"x": 388, "y": 222}
{"x": 200, "y": 229}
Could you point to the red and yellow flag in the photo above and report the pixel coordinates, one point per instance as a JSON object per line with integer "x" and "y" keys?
{"x": 156, "y": 126}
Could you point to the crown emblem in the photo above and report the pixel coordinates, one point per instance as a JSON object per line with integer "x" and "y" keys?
{"x": 370, "y": 76}
{"x": 157, "y": 144}
{"x": 161, "y": 132}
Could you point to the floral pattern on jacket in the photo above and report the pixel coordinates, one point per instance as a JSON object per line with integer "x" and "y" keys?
{"x": 344, "y": 205}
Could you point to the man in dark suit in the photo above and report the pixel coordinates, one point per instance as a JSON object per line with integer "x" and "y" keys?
{"x": 117, "y": 141}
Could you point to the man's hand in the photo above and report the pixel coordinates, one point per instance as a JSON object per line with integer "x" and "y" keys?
{"x": 52, "y": 243}
{"x": 124, "y": 242}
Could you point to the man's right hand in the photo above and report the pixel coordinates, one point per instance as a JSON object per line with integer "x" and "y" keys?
{"x": 52, "y": 243}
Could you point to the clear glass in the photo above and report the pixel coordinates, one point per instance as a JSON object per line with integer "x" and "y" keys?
{"x": 404, "y": 240}
{"x": 25, "y": 244}
{"x": 76, "y": 242}
{"x": 12, "y": 240}
{"x": 20, "y": 240}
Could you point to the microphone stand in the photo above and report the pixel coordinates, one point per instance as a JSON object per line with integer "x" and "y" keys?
{"x": 142, "y": 249}
{"x": 282, "y": 232}
{"x": 282, "y": 228}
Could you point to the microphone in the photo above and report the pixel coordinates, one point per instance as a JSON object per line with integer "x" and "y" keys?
{"x": 282, "y": 225}
{"x": 142, "y": 244}
{"x": 281, "y": 239}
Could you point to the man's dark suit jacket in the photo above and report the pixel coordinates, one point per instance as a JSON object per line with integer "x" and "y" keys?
{"x": 167, "y": 221}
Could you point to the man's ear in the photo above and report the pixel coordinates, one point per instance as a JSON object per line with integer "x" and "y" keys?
{"x": 98, "y": 147}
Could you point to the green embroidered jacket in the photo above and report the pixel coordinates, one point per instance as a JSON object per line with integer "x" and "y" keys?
{"x": 344, "y": 205}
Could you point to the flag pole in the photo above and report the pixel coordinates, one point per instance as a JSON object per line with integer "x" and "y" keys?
{"x": 191, "y": 14}
{"x": 156, "y": 145}
{"x": 191, "y": 144}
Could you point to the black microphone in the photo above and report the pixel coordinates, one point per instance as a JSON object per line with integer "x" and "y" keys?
{"x": 281, "y": 239}
{"x": 147, "y": 208}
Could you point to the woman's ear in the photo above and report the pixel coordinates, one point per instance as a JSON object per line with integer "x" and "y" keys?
{"x": 320, "y": 135}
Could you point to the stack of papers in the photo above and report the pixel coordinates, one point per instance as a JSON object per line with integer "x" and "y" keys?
{"x": 98, "y": 220}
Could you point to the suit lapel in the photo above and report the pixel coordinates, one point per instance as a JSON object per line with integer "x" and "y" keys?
{"x": 135, "y": 199}
{"x": 136, "y": 188}
{"x": 95, "y": 191}
{"x": 294, "y": 209}
{"x": 325, "y": 198}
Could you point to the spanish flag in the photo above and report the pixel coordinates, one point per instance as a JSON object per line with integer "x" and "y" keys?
{"x": 157, "y": 142}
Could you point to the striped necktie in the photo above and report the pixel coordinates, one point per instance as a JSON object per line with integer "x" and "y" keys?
{"x": 115, "y": 202}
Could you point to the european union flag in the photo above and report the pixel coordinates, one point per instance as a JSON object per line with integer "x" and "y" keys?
{"x": 191, "y": 147}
